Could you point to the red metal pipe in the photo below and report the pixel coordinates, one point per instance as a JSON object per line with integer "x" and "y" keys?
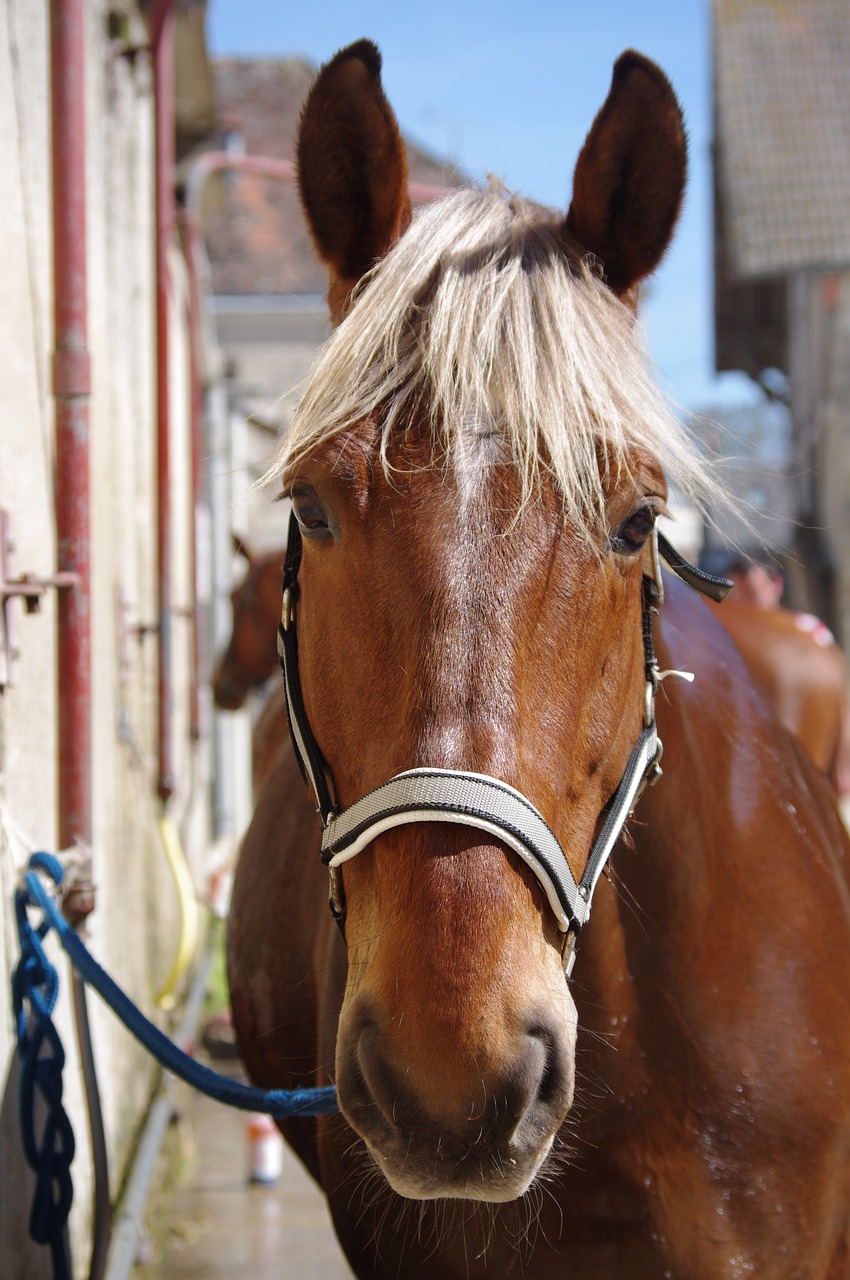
{"x": 162, "y": 41}
{"x": 71, "y": 383}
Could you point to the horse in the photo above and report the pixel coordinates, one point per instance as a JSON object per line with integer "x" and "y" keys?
{"x": 802, "y": 672}
{"x": 249, "y": 658}
{"x": 480, "y": 666}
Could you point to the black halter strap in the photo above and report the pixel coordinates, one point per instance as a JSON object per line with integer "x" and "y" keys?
{"x": 307, "y": 753}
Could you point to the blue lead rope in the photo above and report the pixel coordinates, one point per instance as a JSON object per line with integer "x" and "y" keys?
{"x": 273, "y": 1102}
{"x": 49, "y": 1154}
{"x": 35, "y": 987}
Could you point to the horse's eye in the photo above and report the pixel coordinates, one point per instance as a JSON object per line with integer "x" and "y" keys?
{"x": 633, "y": 532}
{"x": 309, "y": 512}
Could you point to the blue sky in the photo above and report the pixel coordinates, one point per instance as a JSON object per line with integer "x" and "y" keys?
{"x": 511, "y": 87}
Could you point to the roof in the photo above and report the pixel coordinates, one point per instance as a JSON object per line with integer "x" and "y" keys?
{"x": 782, "y": 102}
{"x": 257, "y": 240}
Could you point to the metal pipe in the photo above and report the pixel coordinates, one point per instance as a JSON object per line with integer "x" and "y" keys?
{"x": 129, "y": 1227}
{"x": 162, "y": 41}
{"x": 71, "y": 384}
{"x": 100, "y": 1161}
{"x": 71, "y": 381}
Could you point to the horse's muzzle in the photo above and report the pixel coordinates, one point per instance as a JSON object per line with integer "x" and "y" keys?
{"x": 228, "y": 694}
{"x": 484, "y": 1136}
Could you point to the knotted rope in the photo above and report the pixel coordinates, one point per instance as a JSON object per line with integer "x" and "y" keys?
{"x": 35, "y": 988}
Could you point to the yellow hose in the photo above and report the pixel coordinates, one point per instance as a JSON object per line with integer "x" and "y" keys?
{"x": 189, "y": 915}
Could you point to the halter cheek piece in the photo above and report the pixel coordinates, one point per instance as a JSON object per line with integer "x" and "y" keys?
{"x": 474, "y": 799}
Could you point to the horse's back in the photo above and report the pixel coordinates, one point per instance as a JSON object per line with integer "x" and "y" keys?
{"x": 801, "y": 672}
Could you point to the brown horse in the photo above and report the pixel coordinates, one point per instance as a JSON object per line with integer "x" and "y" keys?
{"x": 803, "y": 674}
{"x": 250, "y": 656}
{"x": 476, "y": 467}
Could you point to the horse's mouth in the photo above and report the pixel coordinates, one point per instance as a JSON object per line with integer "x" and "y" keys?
{"x": 467, "y": 1125}
{"x": 495, "y": 1177}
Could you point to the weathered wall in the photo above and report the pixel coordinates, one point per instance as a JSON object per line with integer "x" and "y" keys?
{"x": 134, "y": 929}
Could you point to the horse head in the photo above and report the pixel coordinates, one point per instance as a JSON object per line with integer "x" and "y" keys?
{"x": 250, "y": 656}
{"x": 476, "y": 471}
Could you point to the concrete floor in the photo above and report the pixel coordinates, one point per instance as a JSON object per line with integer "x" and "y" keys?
{"x": 225, "y": 1226}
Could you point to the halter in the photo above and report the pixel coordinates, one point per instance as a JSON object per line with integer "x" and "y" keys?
{"x": 475, "y": 799}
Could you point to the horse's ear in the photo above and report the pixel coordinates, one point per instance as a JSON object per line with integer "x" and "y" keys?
{"x": 630, "y": 176}
{"x": 241, "y": 548}
{"x": 352, "y": 168}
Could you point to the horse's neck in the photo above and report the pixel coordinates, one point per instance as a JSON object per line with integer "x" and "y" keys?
{"x": 665, "y": 892}
{"x": 716, "y": 851}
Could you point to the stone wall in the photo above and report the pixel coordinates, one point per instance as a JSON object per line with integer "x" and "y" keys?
{"x": 134, "y": 930}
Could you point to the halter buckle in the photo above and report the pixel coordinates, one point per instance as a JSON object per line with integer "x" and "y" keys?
{"x": 287, "y": 612}
{"x": 568, "y": 951}
{"x": 652, "y": 775}
{"x": 649, "y": 704}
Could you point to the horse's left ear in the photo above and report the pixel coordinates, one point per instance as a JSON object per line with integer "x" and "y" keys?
{"x": 352, "y": 169}
{"x": 630, "y": 176}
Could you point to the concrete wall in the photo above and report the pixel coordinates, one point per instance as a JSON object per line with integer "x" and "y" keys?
{"x": 134, "y": 930}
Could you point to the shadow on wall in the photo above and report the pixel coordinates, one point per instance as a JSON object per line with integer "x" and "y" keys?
{"x": 20, "y": 1257}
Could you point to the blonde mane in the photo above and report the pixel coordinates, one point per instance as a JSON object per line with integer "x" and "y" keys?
{"x": 482, "y": 318}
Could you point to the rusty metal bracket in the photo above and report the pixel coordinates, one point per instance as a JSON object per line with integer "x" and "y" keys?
{"x": 29, "y": 587}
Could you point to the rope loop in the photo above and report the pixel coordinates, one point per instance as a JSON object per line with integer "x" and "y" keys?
{"x": 50, "y": 1151}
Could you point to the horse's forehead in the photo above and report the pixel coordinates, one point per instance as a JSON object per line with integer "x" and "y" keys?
{"x": 365, "y": 473}
{"x": 413, "y": 476}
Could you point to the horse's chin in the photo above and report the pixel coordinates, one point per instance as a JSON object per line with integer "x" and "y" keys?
{"x": 429, "y": 1179}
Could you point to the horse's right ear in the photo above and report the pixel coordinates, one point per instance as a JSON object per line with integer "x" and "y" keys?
{"x": 352, "y": 169}
{"x": 240, "y": 548}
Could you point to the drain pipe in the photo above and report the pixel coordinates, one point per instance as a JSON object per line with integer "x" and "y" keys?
{"x": 162, "y": 44}
{"x": 71, "y": 388}
{"x": 71, "y": 385}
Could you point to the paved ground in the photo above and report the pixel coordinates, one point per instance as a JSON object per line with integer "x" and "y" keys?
{"x": 226, "y": 1226}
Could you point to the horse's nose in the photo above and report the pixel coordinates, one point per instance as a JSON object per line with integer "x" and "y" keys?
{"x": 228, "y": 694}
{"x": 532, "y": 1081}
{"x": 494, "y": 1109}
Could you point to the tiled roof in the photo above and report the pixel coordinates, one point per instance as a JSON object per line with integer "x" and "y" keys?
{"x": 257, "y": 239}
{"x": 782, "y": 100}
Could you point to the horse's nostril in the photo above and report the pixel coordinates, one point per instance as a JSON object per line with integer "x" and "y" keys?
{"x": 551, "y": 1083}
{"x": 528, "y": 1085}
